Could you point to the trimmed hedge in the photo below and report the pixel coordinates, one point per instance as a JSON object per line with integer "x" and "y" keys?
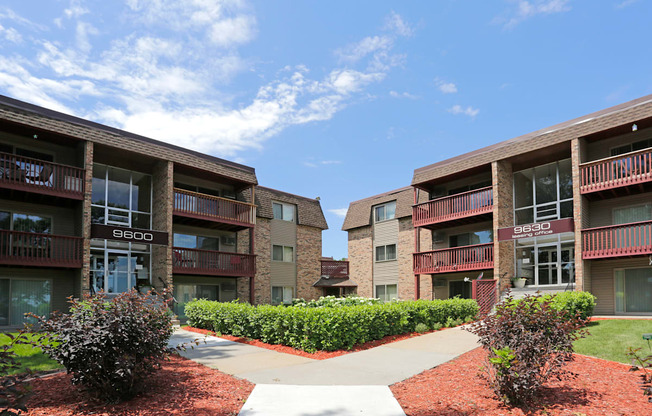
{"x": 326, "y": 328}
{"x": 570, "y": 302}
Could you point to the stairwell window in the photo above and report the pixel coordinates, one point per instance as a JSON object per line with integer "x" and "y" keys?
{"x": 387, "y": 293}
{"x": 385, "y": 212}
{"x": 282, "y": 294}
{"x": 386, "y": 253}
{"x": 284, "y": 212}
{"x": 283, "y": 253}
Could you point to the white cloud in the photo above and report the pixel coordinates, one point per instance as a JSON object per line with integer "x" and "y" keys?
{"x": 445, "y": 87}
{"x": 10, "y": 34}
{"x": 316, "y": 164}
{"x": 340, "y": 212}
{"x": 527, "y": 9}
{"x": 625, "y": 3}
{"x": 468, "y": 111}
{"x": 228, "y": 32}
{"x": 361, "y": 49}
{"x": 396, "y": 23}
{"x": 396, "y": 94}
{"x": 75, "y": 10}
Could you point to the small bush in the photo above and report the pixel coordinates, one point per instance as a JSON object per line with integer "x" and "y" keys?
{"x": 327, "y": 327}
{"x": 334, "y": 302}
{"x": 421, "y": 328}
{"x": 570, "y": 303}
{"x": 644, "y": 364}
{"x": 528, "y": 343}
{"x": 110, "y": 346}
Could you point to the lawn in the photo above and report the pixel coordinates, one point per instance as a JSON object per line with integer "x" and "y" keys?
{"x": 29, "y": 357}
{"x": 609, "y": 339}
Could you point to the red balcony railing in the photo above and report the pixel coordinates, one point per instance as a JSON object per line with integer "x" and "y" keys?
{"x": 453, "y": 207}
{"x": 33, "y": 249}
{"x": 613, "y": 172}
{"x": 212, "y": 263}
{"x": 213, "y": 208}
{"x": 476, "y": 257}
{"x": 617, "y": 240}
{"x": 334, "y": 268}
{"x": 33, "y": 175}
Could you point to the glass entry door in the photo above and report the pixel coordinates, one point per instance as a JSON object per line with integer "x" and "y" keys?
{"x": 119, "y": 272}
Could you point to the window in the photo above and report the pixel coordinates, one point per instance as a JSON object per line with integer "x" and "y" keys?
{"x": 633, "y": 290}
{"x": 20, "y": 296}
{"x": 387, "y": 293}
{"x": 469, "y": 239}
{"x": 386, "y": 253}
{"x": 283, "y": 253}
{"x": 385, "y": 212}
{"x": 631, "y": 147}
{"x": 196, "y": 242}
{"x": 548, "y": 260}
{"x": 282, "y": 295}
{"x": 27, "y": 223}
{"x": 283, "y": 212}
{"x": 121, "y": 197}
{"x": 543, "y": 193}
{"x": 632, "y": 214}
{"x": 116, "y": 271}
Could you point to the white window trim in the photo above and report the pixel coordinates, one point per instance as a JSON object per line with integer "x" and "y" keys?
{"x": 386, "y": 259}
{"x": 384, "y": 205}
{"x": 385, "y": 286}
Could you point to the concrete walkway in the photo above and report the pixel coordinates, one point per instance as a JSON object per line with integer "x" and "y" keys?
{"x": 291, "y": 385}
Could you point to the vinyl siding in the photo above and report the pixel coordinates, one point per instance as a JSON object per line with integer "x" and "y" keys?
{"x": 601, "y": 212}
{"x": 602, "y": 280}
{"x": 64, "y": 220}
{"x": 283, "y": 233}
{"x": 385, "y": 233}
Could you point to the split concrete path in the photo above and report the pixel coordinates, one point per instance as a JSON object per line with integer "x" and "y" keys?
{"x": 291, "y": 385}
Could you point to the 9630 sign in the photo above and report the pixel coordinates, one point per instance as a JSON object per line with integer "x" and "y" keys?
{"x": 536, "y": 229}
{"x": 132, "y": 235}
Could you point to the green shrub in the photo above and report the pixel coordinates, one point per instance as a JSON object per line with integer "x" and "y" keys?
{"x": 571, "y": 303}
{"x": 110, "y": 346}
{"x": 421, "y": 328}
{"x": 334, "y": 302}
{"x": 527, "y": 341}
{"x": 327, "y": 328}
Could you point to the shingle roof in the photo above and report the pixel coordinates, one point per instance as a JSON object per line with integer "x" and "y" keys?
{"x": 309, "y": 210}
{"x": 30, "y": 115}
{"x": 579, "y": 127}
{"x": 359, "y": 212}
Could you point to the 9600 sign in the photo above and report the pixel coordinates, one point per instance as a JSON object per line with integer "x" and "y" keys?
{"x": 132, "y": 235}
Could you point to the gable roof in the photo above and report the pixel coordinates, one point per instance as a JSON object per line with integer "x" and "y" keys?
{"x": 359, "y": 212}
{"x": 309, "y": 210}
{"x": 618, "y": 115}
{"x": 25, "y": 114}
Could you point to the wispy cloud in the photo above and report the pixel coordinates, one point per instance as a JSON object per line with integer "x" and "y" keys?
{"x": 168, "y": 87}
{"x": 316, "y": 164}
{"x": 396, "y": 94}
{"x": 524, "y": 10}
{"x": 625, "y": 3}
{"x": 445, "y": 87}
{"x": 340, "y": 212}
{"x": 395, "y": 22}
{"x": 468, "y": 111}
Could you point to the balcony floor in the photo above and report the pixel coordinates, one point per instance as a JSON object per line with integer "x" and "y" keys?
{"x": 619, "y": 191}
{"x": 206, "y": 222}
{"x": 471, "y": 219}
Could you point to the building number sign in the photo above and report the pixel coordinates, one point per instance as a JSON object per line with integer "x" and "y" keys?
{"x": 132, "y": 235}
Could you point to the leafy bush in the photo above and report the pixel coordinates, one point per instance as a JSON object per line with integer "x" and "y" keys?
{"x": 528, "y": 343}
{"x": 327, "y": 328}
{"x": 110, "y": 346}
{"x": 334, "y": 302}
{"x": 570, "y": 303}
{"x": 421, "y": 328}
{"x": 644, "y": 364}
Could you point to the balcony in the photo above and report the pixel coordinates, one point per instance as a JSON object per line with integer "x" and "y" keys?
{"x": 39, "y": 176}
{"x": 212, "y": 208}
{"x": 620, "y": 174}
{"x": 334, "y": 268}
{"x": 624, "y": 240}
{"x": 45, "y": 250}
{"x": 476, "y": 257}
{"x": 212, "y": 263}
{"x": 454, "y": 209}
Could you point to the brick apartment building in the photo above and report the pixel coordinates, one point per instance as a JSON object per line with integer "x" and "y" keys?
{"x": 569, "y": 206}
{"x": 87, "y": 208}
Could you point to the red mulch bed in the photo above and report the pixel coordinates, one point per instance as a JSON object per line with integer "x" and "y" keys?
{"x": 456, "y": 388}
{"x": 319, "y": 355}
{"x": 181, "y": 387}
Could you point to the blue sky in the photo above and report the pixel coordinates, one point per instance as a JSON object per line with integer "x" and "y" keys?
{"x": 336, "y": 99}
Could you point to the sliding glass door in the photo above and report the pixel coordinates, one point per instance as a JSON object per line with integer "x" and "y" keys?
{"x": 634, "y": 290}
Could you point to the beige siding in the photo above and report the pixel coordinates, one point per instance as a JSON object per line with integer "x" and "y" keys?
{"x": 208, "y": 232}
{"x": 283, "y": 273}
{"x": 386, "y": 232}
{"x": 386, "y": 272}
{"x": 601, "y": 212}
{"x": 602, "y": 148}
{"x": 602, "y": 281}
{"x": 283, "y": 233}
{"x": 62, "y": 154}
{"x": 445, "y": 233}
{"x": 64, "y": 221}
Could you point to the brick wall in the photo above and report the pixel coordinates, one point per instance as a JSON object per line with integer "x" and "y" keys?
{"x": 580, "y": 205}
{"x": 361, "y": 260}
{"x": 406, "y": 278}
{"x": 86, "y": 218}
{"x": 162, "y": 206}
{"x": 263, "y": 247}
{"x": 308, "y": 261}
{"x": 503, "y": 216}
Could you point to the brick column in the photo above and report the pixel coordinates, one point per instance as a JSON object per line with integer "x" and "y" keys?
{"x": 86, "y": 217}
{"x": 162, "y": 206}
{"x": 580, "y": 215}
{"x": 503, "y": 191}
{"x": 308, "y": 261}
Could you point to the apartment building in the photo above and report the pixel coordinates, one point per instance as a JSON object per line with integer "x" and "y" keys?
{"x": 569, "y": 206}
{"x": 381, "y": 245}
{"x": 86, "y": 208}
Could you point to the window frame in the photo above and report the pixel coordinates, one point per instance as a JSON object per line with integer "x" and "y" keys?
{"x": 613, "y": 212}
{"x": 384, "y": 207}
{"x": 283, "y": 292}
{"x": 9, "y": 296}
{"x": 284, "y": 247}
{"x": 285, "y": 206}
{"x": 385, "y": 296}
{"x": 384, "y": 247}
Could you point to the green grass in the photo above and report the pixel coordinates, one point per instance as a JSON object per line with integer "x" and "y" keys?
{"x": 609, "y": 339}
{"x": 29, "y": 357}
